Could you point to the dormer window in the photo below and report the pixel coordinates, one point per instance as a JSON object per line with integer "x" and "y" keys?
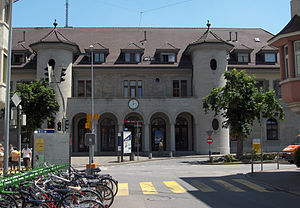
{"x": 243, "y": 57}
{"x": 99, "y": 57}
{"x": 132, "y": 57}
{"x": 270, "y": 57}
{"x": 167, "y": 57}
{"x": 18, "y": 58}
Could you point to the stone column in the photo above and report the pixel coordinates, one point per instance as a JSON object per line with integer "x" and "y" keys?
{"x": 172, "y": 137}
{"x": 282, "y": 64}
{"x": 291, "y": 58}
{"x": 146, "y": 147}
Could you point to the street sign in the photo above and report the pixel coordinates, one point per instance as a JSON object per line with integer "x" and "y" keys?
{"x": 90, "y": 139}
{"x": 209, "y": 140}
{"x": 256, "y": 145}
{"x": 16, "y": 99}
{"x": 209, "y": 133}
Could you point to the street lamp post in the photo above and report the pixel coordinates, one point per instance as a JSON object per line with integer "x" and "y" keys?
{"x": 7, "y": 101}
{"x": 91, "y": 147}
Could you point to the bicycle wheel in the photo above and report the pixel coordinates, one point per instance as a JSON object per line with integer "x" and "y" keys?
{"x": 91, "y": 204}
{"x": 112, "y": 184}
{"x": 90, "y": 194}
{"x": 106, "y": 194}
{"x": 70, "y": 200}
{"x": 7, "y": 201}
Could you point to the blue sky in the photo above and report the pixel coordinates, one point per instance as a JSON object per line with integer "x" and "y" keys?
{"x": 271, "y": 15}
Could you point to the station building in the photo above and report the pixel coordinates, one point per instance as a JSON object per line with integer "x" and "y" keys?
{"x": 150, "y": 81}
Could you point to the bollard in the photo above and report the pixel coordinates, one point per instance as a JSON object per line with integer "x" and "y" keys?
{"x": 150, "y": 155}
{"x": 170, "y": 154}
{"x": 131, "y": 157}
{"x": 119, "y": 159}
{"x": 277, "y": 160}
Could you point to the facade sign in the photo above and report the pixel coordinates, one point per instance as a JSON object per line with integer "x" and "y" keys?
{"x": 256, "y": 145}
{"x": 127, "y": 141}
{"x": 119, "y": 142}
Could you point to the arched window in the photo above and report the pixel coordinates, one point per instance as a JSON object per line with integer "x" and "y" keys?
{"x": 158, "y": 134}
{"x": 272, "y": 129}
{"x": 108, "y": 134}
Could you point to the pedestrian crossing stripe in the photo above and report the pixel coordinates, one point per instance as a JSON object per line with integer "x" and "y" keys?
{"x": 174, "y": 187}
{"x": 250, "y": 185}
{"x": 123, "y": 189}
{"x": 148, "y": 188}
{"x": 201, "y": 186}
{"x": 228, "y": 186}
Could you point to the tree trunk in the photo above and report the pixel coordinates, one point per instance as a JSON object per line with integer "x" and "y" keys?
{"x": 240, "y": 143}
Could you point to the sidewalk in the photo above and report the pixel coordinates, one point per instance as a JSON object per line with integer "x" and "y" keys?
{"x": 287, "y": 180}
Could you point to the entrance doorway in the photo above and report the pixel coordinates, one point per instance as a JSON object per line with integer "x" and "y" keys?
{"x": 181, "y": 134}
{"x": 158, "y": 134}
{"x": 134, "y": 125}
{"x": 108, "y": 134}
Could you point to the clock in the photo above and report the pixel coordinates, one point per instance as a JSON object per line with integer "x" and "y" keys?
{"x": 133, "y": 104}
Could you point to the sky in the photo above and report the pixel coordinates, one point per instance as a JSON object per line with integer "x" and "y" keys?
{"x": 270, "y": 15}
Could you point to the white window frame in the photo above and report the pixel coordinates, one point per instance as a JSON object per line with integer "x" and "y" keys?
{"x": 297, "y": 54}
{"x": 286, "y": 61}
{"x": 243, "y": 58}
{"x": 270, "y": 57}
{"x": 171, "y": 57}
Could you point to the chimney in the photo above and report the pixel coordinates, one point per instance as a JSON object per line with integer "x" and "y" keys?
{"x": 229, "y": 36}
{"x": 295, "y": 8}
{"x": 236, "y": 36}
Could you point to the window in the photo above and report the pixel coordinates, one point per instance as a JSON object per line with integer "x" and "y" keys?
{"x": 175, "y": 88}
{"x": 132, "y": 57}
{"x": 84, "y": 88}
{"x": 135, "y": 88}
{"x": 243, "y": 57}
{"x": 270, "y": 57}
{"x": 277, "y": 88}
{"x": 4, "y": 68}
{"x": 213, "y": 64}
{"x": 125, "y": 88}
{"x": 179, "y": 88}
{"x": 6, "y": 13}
{"x": 167, "y": 58}
{"x": 99, "y": 58}
{"x": 272, "y": 129}
{"x": 297, "y": 58}
{"x": 286, "y": 61}
{"x": 18, "y": 58}
{"x": 215, "y": 124}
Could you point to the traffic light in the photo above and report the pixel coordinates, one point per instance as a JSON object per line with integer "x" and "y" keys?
{"x": 59, "y": 126}
{"x": 88, "y": 124}
{"x": 63, "y": 73}
{"x": 66, "y": 124}
{"x": 48, "y": 73}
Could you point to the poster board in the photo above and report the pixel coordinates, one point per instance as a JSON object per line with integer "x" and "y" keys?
{"x": 127, "y": 141}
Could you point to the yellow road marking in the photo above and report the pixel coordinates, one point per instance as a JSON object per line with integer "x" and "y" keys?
{"x": 148, "y": 188}
{"x": 123, "y": 189}
{"x": 251, "y": 185}
{"x": 174, "y": 187}
{"x": 201, "y": 186}
{"x": 228, "y": 186}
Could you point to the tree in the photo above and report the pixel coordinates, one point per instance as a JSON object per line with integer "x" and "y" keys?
{"x": 240, "y": 102}
{"x": 38, "y": 103}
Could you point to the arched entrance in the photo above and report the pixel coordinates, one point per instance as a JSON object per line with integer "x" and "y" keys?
{"x": 79, "y": 132}
{"x": 184, "y": 132}
{"x": 107, "y": 135}
{"x": 158, "y": 134}
{"x": 134, "y": 124}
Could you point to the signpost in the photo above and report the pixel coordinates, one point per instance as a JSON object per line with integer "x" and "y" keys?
{"x": 209, "y": 141}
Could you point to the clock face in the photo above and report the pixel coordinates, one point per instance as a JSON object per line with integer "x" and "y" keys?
{"x": 133, "y": 104}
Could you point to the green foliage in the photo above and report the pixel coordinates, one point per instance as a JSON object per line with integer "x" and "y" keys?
{"x": 297, "y": 158}
{"x": 38, "y": 102}
{"x": 229, "y": 158}
{"x": 240, "y": 103}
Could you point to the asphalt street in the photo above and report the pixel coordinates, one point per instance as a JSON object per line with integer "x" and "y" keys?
{"x": 187, "y": 183}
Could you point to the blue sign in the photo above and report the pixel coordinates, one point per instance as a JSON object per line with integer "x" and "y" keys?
{"x": 119, "y": 142}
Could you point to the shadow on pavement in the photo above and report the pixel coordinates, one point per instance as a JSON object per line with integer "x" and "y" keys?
{"x": 238, "y": 191}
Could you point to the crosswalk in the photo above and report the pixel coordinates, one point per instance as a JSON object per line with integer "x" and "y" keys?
{"x": 207, "y": 186}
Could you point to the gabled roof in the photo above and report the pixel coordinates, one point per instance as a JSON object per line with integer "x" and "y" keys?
{"x": 242, "y": 47}
{"x": 132, "y": 46}
{"x": 54, "y": 36}
{"x": 268, "y": 48}
{"x": 292, "y": 26}
{"x": 167, "y": 46}
{"x": 209, "y": 37}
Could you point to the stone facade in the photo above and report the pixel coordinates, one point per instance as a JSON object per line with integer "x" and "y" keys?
{"x": 168, "y": 75}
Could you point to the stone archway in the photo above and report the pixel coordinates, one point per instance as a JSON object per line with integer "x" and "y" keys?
{"x": 107, "y": 133}
{"x": 135, "y": 124}
{"x": 184, "y": 131}
{"x": 79, "y": 131}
